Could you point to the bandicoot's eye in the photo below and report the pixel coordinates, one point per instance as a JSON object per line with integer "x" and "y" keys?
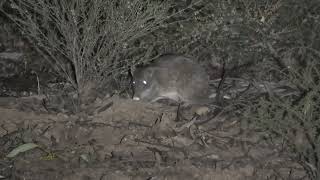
{"x": 133, "y": 82}
{"x": 144, "y": 82}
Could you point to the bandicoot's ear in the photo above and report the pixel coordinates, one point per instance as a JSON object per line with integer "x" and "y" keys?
{"x": 132, "y": 70}
{"x": 129, "y": 75}
{"x": 149, "y": 71}
{"x": 135, "y": 68}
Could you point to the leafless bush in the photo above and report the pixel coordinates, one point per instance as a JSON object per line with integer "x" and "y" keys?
{"x": 295, "y": 120}
{"x": 268, "y": 41}
{"x": 87, "y": 40}
{"x": 291, "y": 44}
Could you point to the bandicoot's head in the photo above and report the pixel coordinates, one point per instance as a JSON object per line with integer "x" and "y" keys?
{"x": 144, "y": 84}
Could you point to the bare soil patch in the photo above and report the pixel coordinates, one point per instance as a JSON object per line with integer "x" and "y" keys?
{"x": 117, "y": 138}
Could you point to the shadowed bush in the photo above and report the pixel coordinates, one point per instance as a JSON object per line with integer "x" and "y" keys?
{"x": 296, "y": 121}
{"x": 87, "y": 40}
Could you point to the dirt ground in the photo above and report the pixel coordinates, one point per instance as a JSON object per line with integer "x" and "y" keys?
{"x": 118, "y": 138}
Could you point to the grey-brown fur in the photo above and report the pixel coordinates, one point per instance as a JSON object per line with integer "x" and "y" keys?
{"x": 173, "y": 77}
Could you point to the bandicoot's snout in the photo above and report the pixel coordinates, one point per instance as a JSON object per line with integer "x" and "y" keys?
{"x": 136, "y": 98}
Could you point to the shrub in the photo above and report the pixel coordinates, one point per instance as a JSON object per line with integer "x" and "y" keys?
{"x": 87, "y": 40}
{"x": 295, "y": 119}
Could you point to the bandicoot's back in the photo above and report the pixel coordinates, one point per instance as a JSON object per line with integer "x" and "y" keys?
{"x": 174, "y": 77}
